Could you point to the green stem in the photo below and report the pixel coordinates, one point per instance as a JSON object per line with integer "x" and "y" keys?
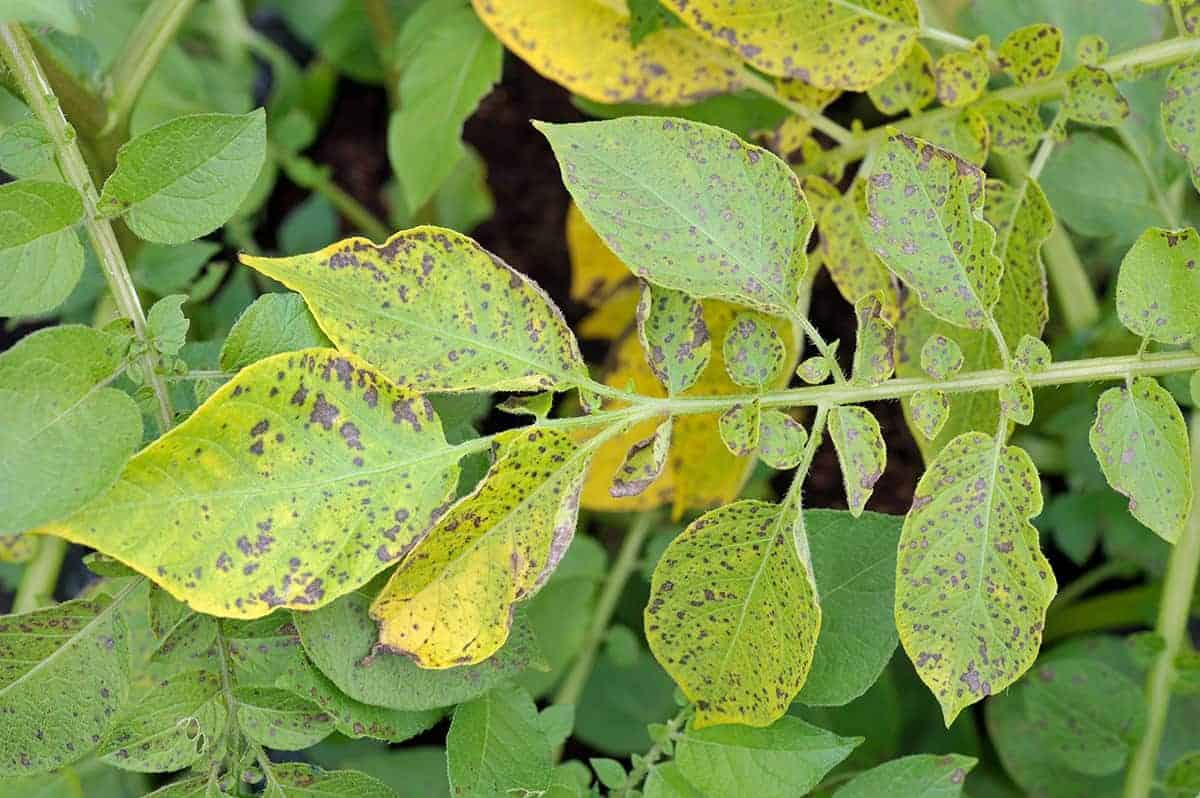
{"x": 155, "y": 30}
{"x": 819, "y": 121}
{"x": 383, "y": 30}
{"x": 1174, "y": 610}
{"x": 18, "y": 55}
{"x": 41, "y": 575}
{"x": 627, "y": 560}
{"x": 1113, "y": 569}
{"x": 651, "y": 758}
{"x": 306, "y": 174}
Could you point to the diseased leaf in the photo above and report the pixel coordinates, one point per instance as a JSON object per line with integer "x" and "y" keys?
{"x": 841, "y": 44}
{"x": 646, "y": 17}
{"x": 874, "y": 352}
{"x": 1181, "y": 114}
{"x": 636, "y": 181}
{"x": 735, "y": 574}
{"x": 1023, "y": 221}
{"x": 298, "y": 780}
{"x": 754, "y": 351}
{"x": 740, "y": 428}
{"x": 910, "y": 88}
{"x": 921, "y": 776}
{"x": 1032, "y": 356}
{"x": 941, "y": 357}
{"x": 815, "y": 370}
{"x": 280, "y": 719}
{"x": 929, "y": 411}
{"x": 16, "y": 548}
{"x": 673, "y": 332}
{"x": 781, "y": 440}
{"x": 586, "y": 46}
{"x": 1093, "y": 97}
{"x": 435, "y": 312}
{"x": 961, "y": 77}
{"x": 273, "y": 324}
{"x": 596, "y": 273}
{"x": 168, "y": 726}
{"x": 924, "y": 221}
{"x": 1016, "y": 401}
{"x": 186, "y": 177}
{"x": 972, "y": 585}
{"x": 339, "y": 640}
{"x": 861, "y": 452}
{"x": 64, "y": 672}
{"x": 41, "y": 257}
{"x": 855, "y": 268}
{"x": 451, "y": 601}
{"x": 965, "y": 134}
{"x": 300, "y": 440}
{"x": 1016, "y": 128}
{"x": 1141, "y": 441}
{"x": 644, "y": 463}
{"x": 1158, "y": 286}
{"x": 64, "y": 436}
{"x": 1092, "y": 50}
{"x": 1031, "y": 54}
{"x": 496, "y": 746}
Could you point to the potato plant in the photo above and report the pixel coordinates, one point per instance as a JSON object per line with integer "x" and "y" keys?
{"x": 359, "y": 518}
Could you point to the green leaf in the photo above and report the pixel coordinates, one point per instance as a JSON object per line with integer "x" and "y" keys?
{"x": 856, "y": 270}
{"x": 929, "y": 411}
{"x": 961, "y": 77}
{"x": 854, "y": 564}
{"x": 1032, "y": 356}
{"x": 786, "y": 759}
{"x": 1031, "y": 54}
{"x": 340, "y": 638}
{"x": 167, "y": 325}
{"x": 637, "y": 181}
{"x": 732, "y": 614}
{"x": 941, "y": 357}
{"x": 874, "y": 353}
{"x": 1158, "y": 286}
{"x": 1093, "y": 97}
{"x": 672, "y": 330}
{"x": 496, "y": 747}
{"x": 814, "y": 370}
{"x": 61, "y": 784}
{"x": 910, "y": 88}
{"x": 666, "y": 780}
{"x": 556, "y": 722}
{"x": 274, "y": 324}
{"x": 1023, "y": 221}
{"x": 739, "y": 427}
{"x": 1141, "y": 441}
{"x": 1016, "y": 401}
{"x": 297, "y": 780}
{"x": 921, "y": 776}
{"x": 26, "y": 149}
{"x": 64, "y": 436}
{"x": 832, "y": 44}
{"x": 435, "y": 312}
{"x": 301, "y": 439}
{"x": 861, "y": 452}
{"x": 620, "y": 701}
{"x": 186, "y": 177}
{"x": 925, "y": 208}
{"x": 309, "y": 226}
{"x": 280, "y": 719}
{"x": 1016, "y": 128}
{"x": 453, "y": 61}
{"x": 781, "y": 440}
{"x": 1183, "y": 777}
{"x": 646, "y": 17}
{"x": 972, "y": 585}
{"x": 168, "y": 726}
{"x": 1181, "y": 114}
{"x": 1089, "y": 713}
{"x": 64, "y": 672}
{"x": 61, "y": 14}
{"x": 41, "y": 257}
{"x": 451, "y": 601}
{"x": 753, "y": 350}
{"x": 168, "y": 270}
{"x": 965, "y": 133}
{"x": 644, "y": 463}
{"x": 610, "y": 772}
{"x": 1092, "y": 50}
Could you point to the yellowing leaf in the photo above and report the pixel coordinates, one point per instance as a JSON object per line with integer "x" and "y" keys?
{"x": 1016, "y": 128}
{"x": 434, "y": 311}
{"x": 586, "y": 46}
{"x": 733, "y": 616}
{"x": 754, "y": 351}
{"x": 929, "y": 411}
{"x": 972, "y": 585}
{"x": 296, "y": 482}
{"x": 961, "y": 77}
{"x": 451, "y": 601}
{"x": 843, "y": 44}
{"x": 595, "y": 271}
{"x": 644, "y": 463}
{"x": 855, "y": 268}
{"x": 781, "y": 440}
{"x": 1093, "y": 97}
{"x": 1031, "y": 53}
{"x": 739, "y": 428}
{"x": 874, "y": 349}
{"x": 1181, "y": 114}
{"x": 860, "y": 450}
{"x": 910, "y": 88}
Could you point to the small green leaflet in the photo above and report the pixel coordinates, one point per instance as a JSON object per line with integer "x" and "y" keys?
{"x": 65, "y": 436}
{"x": 1158, "y": 286}
{"x": 270, "y": 513}
{"x": 273, "y": 324}
{"x": 1141, "y": 441}
{"x": 41, "y": 256}
{"x": 1023, "y": 221}
{"x": 168, "y": 726}
{"x": 1031, "y": 53}
{"x": 781, "y": 440}
{"x": 26, "y": 150}
{"x": 740, "y": 428}
{"x": 186, "y": 177}
{"x": 1016, "y": 128}
{"x": 924, "y": 220}
{"x": 920, "y": 776}
{"x": 1093, "y": 97}
{"x": 435, "y": 312}
{"x": 874, "y": 352}
{"x": 280, "y": 719}
{"x": 1032, "y": 356}
{"x": 736, "y": 574}
{"x": 929, "y": 411}
{"x": 496, "y": 746}
{"x": 672, "y": 330}
{"x": 1016, "y": 401}
{"x": 1181, "y": 114}
{"x": 910, "y": 88}
{"x": 64, "y": 672}
{"x": 638, "y": 183}
{"x": 166, "y": 325}
{"x": 753, "y": 350}
{"x": 170, "y": 269}
{"x": 941, "y": 357}
{"x": 961, "y": 77}
{"x": 644, "y": 463}
{"x": 972, "y": 585}
{"x": 861, "y": 452}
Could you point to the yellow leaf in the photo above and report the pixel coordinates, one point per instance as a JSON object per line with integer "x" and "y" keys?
{"x": 295, "y": 483}
{"x": 586, "y": 46}
{"x": 595, "y": 271}
{"x": 15, "y": 548}
{"x": 451, "y": 601}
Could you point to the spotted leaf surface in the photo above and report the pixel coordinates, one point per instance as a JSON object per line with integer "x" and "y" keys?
{"x": 167, "y": 726}
{"x": 924, "y": 220}
{"x": 861, "y": 452}
{"x": 961, "y": 77}
{"x": 1141, "y": 441}
{"x": 1023, "y": 221}
{"x": 1181, "y": 114}
{"x": 307, "y": 781}
{"x": 910, "y": 88}
{"x": 451, "y": 601}
{"x": 972, "y": 586}
{"x": 1032, "y": 356}
{"x": 673, "y": 332}
{"x": 920, "y": 776}
{"x": 929, "y": 411}
{"x": 754, "y": 351}
{"x": 855, "y": 268}
{"x": 1093, "y": 97}
{"x": 874, "y": 352}
{"x": 839, "y": 44}
{"x": 435, "y": 312}
{"x": 296, "y": 482}
{"x": 941, "y": 357}
{"x": 739, "y": 428}
{"x": 16, "y": 548}
{"x": 965, "y": 133}
{"x": 41, "y": 257}
{"x": 596, "y": 273}
{"x": 690, "y": 207}
{"x": 1016, "y": 401}
{"x": 1031, "y": 54}
{"x": 815, "y": 370}
{"x": 281, "y": 719}
{"x": 644, "y": 463}
{"x": 733, "y": 616}
{"x": 1015, "y": 128}
{"x": 781, "y": 440}
{"x": 64, "y": 673}
{"x": 586, "y": 46}
{"x": 1158, "y": 286}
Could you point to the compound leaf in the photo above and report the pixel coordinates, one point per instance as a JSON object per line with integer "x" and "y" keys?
{"x": 861, "y": 452}
{"x": 496, "y": 746}
{"x": 435, "y": 312}
{"x": 920, "y": 776}
{"x": 1158, "y": 286}
{"x": 296, "y": 482}
{"x": 41, "y": 257}
{"x": 673, "y": 332}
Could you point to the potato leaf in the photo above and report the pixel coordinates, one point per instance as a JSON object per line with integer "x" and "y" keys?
{"x": 1158, "y": 286}
{"x": 1181, "y": 114}
{"x": 1031, "y": 53}
{"x": 41, "y": 257}
{"x": 168, "y": 726}
{"x": 1093, "y": 97}
{"x": 644, "y": 463}
{"x": 855, "y": 268}
{"x": 781, "y": 440}
{"x": 280, "y": 719}
{"x": 920, "y": 776}
{"x": 273, "y": 324}
{"x": 740, "y": 428}
{"x": 861, "y": 452}
{"x": 754, "y": 351}
{"x": 673, "y": 332}
{"x": 910, "y": 88}
{"x": 496, "y": 746}
{"x": 874, "y": 350}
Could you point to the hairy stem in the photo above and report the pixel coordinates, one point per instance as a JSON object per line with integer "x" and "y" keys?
{"x": 306, "y": 174}
{"x": 19, "y": 56}
{"x": 155, "y": 30}
{"x": 1173, "y": 612}
{"x": 41, "y": 575}
{"x": 651, "y": 757}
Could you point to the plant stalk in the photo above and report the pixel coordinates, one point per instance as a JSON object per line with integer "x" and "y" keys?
{"x": 155, "y": 30}
{"x": 41, "y": 575}
{"x": 23, "y": 64}
{"x": 1173, "y": 611}
{"x": 306, "y": 174}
